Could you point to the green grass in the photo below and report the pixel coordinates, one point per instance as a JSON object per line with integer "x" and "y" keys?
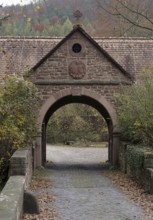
{"x": 84, "y": 144}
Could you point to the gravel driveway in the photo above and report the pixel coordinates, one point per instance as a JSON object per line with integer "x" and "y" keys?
{"x": 82, "y": 191}
{"x": 75, "y": 155}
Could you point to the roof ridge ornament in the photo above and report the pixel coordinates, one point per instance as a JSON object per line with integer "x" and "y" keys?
{"x": 77, "y": 14}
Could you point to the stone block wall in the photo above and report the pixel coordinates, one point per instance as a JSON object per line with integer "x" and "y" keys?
{"x": 11, "y": 199}
{"x": 12, "y": 195}
{"x": 137, "y": 163}
{"x": 89, "y": 69}
{"x": 21, "y": 164}
{"x": 107, "y": 91}
{"x": 96, "y": 64}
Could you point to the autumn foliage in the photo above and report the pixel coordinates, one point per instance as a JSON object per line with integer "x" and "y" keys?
{"x": 78, "y": 123}
{"x": 136, "y": 111}
{"x": 18, "y": 109}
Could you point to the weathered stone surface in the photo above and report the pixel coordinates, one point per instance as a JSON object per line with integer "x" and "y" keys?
{"x": 21, "y": 164}
{"x": 11, "y": 199}
{"x": 133, "y": 54}
{"x": 139, "y": 167}
{"x": 149, "y": 180}
{"x": 148, "y": 160}
{"x": 77, "y": 69}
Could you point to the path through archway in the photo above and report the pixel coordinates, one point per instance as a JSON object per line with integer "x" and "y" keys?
{"x": 77, "y": 134}
{"x": 87, "y": 97}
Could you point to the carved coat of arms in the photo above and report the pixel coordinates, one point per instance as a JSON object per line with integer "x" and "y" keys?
{"x": 77, "y": 69}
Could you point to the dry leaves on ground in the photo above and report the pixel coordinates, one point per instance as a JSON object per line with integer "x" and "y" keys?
{"x": 39, "y": 184}
{"x": 45, "y": 200}
{"x": 133, "y": 191}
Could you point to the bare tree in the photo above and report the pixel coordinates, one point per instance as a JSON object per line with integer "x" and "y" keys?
{"x": 3, "y": 17}
{"x": 135, "y": 17}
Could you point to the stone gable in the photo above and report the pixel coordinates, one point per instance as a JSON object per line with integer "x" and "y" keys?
{"x": 21, "y": 54}
{"x": 91, "y": 63}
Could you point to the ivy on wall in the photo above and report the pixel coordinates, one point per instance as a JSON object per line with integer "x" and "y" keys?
{"x": 135, "y": 158}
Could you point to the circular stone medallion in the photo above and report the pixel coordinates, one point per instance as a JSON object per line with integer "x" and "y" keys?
{"x": 77, "y": 70}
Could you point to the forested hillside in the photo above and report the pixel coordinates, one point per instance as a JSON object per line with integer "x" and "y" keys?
{"x": 100, "y": 18}
{"x": 47, "y": 18}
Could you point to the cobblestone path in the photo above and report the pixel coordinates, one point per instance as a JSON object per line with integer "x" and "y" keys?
{"x": 82, "y": 191}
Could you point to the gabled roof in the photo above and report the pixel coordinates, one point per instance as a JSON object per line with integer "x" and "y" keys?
{"x": 134, "y": 55}
{"x": 79, "y": 29}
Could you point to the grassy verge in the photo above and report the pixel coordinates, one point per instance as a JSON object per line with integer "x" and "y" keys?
{"x": 83, "y": 144}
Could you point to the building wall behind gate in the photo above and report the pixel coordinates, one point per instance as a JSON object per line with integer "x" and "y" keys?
{"x": 81, "y": 73}
{"x": 89, "y": 69}
{"x": 106, "y": 91}
{"x": 96, "y": 65}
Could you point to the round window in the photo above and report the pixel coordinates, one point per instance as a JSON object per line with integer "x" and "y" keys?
{"x": 76, "y": 48}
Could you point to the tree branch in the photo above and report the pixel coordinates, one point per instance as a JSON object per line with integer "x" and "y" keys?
{"x": 133, "y": 22}
{"x": 118, "y": 13}
{"x": 5, "y": 17}
{"x": 135, "y": 12}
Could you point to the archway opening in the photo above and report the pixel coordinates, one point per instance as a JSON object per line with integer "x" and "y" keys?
{"x": 77, "y": 134}
{"x": 98, "y": 107}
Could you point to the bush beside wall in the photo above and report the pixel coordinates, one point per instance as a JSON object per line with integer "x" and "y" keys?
{"x": 137, "y": 163}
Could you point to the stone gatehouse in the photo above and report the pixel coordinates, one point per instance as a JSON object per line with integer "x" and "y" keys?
{"x": 77, "y": 69}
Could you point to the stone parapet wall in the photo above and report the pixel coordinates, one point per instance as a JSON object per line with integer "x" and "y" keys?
{"x": 21, "y": 164}
{"x": 11, "y": 199}
{"x": 137, "y": 163}
{"x": 12, "y": 195}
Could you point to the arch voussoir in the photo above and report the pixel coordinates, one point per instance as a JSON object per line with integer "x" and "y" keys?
{"x": 107, "y": 110}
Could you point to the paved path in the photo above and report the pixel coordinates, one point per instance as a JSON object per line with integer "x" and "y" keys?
{"x": 81, "y": 190}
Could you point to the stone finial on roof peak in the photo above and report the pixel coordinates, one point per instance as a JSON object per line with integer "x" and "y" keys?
{"x": 77, "y": 14}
